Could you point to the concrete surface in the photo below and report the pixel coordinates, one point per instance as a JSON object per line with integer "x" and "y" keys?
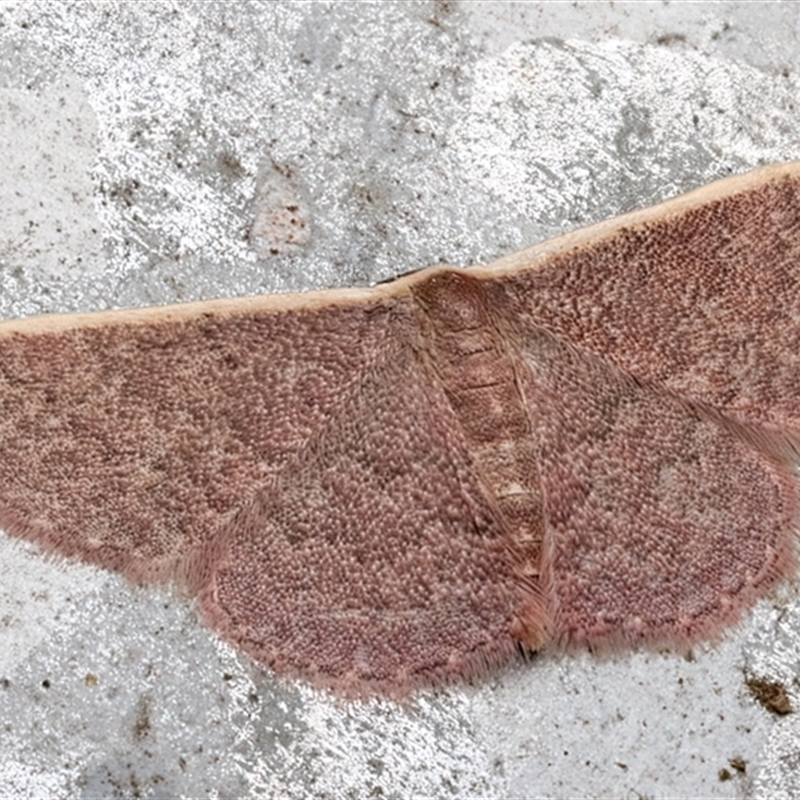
{"x": 157, "y": 152}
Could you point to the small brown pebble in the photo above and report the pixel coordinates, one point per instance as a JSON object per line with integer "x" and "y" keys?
{"x": 771, "y": 694}
{"x": 739, "y": 764}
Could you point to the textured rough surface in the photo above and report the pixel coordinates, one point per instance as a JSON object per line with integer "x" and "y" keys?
{"x": 375, "y": 560}
{"x": 661, "y": 520}
{"x": 686, "y": 302}
{"x": 394, "y": 489}
{"x": 162, "y": 146}
{"x": 139, "y": 404}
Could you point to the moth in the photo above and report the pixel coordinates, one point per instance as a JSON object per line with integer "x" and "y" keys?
{"x": 592, "y": 442}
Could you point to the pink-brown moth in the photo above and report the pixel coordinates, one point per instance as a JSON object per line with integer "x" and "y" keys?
{"x": 591, "y": 442}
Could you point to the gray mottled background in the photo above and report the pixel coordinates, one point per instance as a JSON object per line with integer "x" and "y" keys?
{"x": 165, "y": 151}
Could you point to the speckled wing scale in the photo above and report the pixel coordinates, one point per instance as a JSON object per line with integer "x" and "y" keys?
{"x": 662, "y": 520}
{"x": 592, "y": 442}
{"x": 376, "y": 561}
